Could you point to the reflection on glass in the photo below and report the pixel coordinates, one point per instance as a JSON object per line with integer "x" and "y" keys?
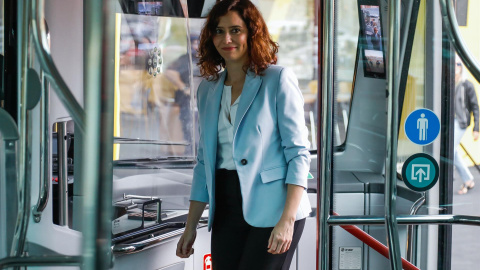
{"x": 372, "y": 44}
{"x": 154, "y": 121}
{"x": 345, "y": 50}
{"x": 414, "y": 90}
{"x": 292, "y": 25}
{"x": 150, "y": 8}
{"x": 466, "y": 238}
{"x": 171, "y": 8}
{"x": 153, "y": 108}
{"x": 470, "y": 31}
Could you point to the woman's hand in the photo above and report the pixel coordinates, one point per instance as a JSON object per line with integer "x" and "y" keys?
{"x": 184, "y": 246}
{"x": 281, "y": 236}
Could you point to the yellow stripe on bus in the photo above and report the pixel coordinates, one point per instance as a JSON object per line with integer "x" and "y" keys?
{"x": 116, "y": 108}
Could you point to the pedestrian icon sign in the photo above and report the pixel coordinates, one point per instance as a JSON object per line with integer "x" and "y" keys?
{"x": 420, "y": 172}
{"x": 422, "y": 126}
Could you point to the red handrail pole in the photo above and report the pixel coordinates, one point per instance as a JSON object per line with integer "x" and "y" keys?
{"x": 374, "y": 243}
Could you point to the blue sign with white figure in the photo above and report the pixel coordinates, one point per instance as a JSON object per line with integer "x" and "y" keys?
{"x": 422, "y": 126}
{"x": 420, "y": 172}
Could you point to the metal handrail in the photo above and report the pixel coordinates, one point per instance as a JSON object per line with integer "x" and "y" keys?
{"x": 450, "y": 20}
{"x": 412, "y": 230}
{"x": 8, "y": 128}
{"x": 77, "y": 114}
{"x": 44, "y": 148}
{"x": 392, "y": 135}
{"x": 146, "y": 244}
{"x": 41, "y": 261}
{"x": 24, "y": 177}
{"x": 97, "y": 169}
{"x": 41, "y": 45}
{"x": 130, "y": 196}
{"x": 406, "y": 220}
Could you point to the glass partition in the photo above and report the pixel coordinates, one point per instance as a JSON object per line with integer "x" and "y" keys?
{"x": 470, "y": 33}
{"x": 437, "y": 121}
{"x": 292, "y": 24}
{"x": 360, "y": 84}
{"x": 154, "y": 128}
{"x": 345, "y": 53}
{"x": 153, "y": 109}
{"x": 466, "y": 147}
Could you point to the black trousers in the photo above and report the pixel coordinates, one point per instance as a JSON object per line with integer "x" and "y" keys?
{"x": 235, "y": 243}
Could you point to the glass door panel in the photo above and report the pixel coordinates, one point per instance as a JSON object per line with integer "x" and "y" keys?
{"x": 468, "y": 150}
{"x": 427, "y": 116}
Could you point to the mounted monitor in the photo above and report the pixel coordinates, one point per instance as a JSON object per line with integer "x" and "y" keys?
{"x": 371, "y": 38}
{"x": 169, "y": 8}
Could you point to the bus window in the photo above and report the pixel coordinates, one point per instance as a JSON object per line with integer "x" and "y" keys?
{"x": 345, "y": 53}
{"x": 154, "y": 117}
{"x": 292, "y": 25}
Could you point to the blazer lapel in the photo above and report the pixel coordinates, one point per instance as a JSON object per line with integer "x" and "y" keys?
{"x": 249, "y": 92}
{"x": 211, "y": 119}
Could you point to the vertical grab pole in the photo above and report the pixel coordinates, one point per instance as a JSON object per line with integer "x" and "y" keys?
{"x": 98, "y": 140}
{"x": 392, "y": 134}
{"x": 45, "y": 179}
{"x": 23, "y": 177}
{"x": 412, "y": 231}
{"x": 326, "y": 144}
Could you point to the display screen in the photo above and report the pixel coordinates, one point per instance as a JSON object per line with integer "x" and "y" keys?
{"x": 372, "y": 41}
{"x": 150, "y": 8}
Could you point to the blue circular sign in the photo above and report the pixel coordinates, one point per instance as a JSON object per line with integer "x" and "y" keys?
{"x": 420, "y": 172}
{"x": 422, "y": 126}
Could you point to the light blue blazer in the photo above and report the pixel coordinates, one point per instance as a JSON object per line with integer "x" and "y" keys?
{"x": 269, "y": 134}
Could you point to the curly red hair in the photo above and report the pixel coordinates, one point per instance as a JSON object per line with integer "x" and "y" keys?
{"x": 262, "y": 49}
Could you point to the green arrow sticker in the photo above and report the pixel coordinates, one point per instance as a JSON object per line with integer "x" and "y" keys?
{"x": 420, "y": 172}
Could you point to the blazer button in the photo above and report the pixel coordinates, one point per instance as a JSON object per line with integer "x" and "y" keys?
{"x": 244, "y": 162}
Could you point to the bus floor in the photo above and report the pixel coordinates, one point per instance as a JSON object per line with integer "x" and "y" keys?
{"x": 466, "y": 239}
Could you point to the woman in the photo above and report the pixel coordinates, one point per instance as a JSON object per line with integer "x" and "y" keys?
{"x": 253, "y": 157}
